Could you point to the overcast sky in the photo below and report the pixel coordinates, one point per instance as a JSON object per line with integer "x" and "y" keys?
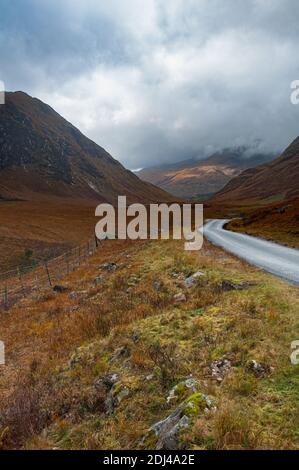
{"x": 156, "y": 81}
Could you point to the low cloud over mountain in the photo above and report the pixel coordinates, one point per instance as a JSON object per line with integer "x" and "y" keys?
{"x": 160, "y": 82}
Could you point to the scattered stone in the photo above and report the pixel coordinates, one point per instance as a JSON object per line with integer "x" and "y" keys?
{"x": 157, "y": 285}
{"x": 60, "y": 289}
{"x": 258, "y": 369}
{"x": 190, "y": 281}
{"x": 227, "y": 285}
{"x": 182, "y": 390}
{"x": 149, "y": 377}
{"x": 99, "y": 279}
{"x": 109, "y": 266}
{"x": 107, "y": 381}
{"x": 117, "y": 393}
{"x": 219, "y": 368}
{"x": 129, "y": 290}
{"x": 179, "y": 298}
{"x": 165, "y": 435}
{"x": 77, "y": 293}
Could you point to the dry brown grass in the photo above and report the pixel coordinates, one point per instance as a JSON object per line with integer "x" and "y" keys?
{"x": 58, "y": 345}
{"x": 48, "y": 228}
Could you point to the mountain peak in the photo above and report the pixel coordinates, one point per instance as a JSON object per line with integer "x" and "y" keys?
{"x": 42, "y": 155}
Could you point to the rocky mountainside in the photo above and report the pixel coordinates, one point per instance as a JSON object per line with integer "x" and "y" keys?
{"x": 43, "y": 155}
{"x": 273, "y": 181}
{"x": 200, "y": 179}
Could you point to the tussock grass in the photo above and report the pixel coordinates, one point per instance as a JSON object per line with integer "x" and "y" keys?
{"x": 58, "y": 345}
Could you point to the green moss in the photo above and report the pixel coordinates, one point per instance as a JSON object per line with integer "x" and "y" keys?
{"x": 181, "y": 392}
{"x": 149, "y": 442}
{"x": 118, "y": 388}
{"x": 194, "y": 405}
{"x": 196, "y": 313}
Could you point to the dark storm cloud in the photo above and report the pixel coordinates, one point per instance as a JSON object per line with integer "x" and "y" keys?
{"x": 157, "y": 80}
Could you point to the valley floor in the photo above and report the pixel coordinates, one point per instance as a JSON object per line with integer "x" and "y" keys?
{"x": 44, "y": 229}
{"x": 92, "y": 368}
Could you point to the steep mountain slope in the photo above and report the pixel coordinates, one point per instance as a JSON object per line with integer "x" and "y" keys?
{"x": 195, "y": 179}
{"x": 274, "y": 181}
{"x": 42, "y": 155}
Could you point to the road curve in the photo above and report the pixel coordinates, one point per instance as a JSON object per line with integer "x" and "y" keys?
{"x": 276, "y": 259}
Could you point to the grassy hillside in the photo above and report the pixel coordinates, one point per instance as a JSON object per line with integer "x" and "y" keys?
{"x": 46, "y": 228}
{"x": 275, "y": 222}
{"x": 124, "y": 319}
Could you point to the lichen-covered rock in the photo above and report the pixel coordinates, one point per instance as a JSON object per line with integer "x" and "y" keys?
{"x": 179, "y": 298}
{"x": 165, "y": 435}
{"x": 219, "y": 368}
{"x": 227, "y": 285}
{"x": 195, "y": 404}
{"x": 190, "y": 281}
{"x": 182, "y": 390}
{"x": 118, "y": 392}
{"x": 258, "y": 369}
{"x": 109, "y": 266}
{"x": 106, "y": 381}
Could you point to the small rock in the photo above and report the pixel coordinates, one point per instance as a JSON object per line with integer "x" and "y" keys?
{"x": 107, "y": 381}
{"x": 258, "y": 369}
{"x": 109, "y": 266}
{"x": 183, "y": 389}
{"x": 190, "y": 281}
{"x": 149, "y": 377}
{"x": 227, "y": 285}
{"x": 157, "y": 285}
{"x": 164, "y": 435}
{"x": 219, "y": 368}
{"x": 117, "y": 393}
{"x": 60, "y": 289}
{"x": 179, "y": 298}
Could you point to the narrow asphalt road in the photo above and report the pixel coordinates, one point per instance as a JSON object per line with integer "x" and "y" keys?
{"x": 276, "y": 259}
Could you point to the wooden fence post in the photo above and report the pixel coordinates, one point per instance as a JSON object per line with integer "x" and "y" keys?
{"x": 21, "y": 282}
{"x": 48, "y": 274}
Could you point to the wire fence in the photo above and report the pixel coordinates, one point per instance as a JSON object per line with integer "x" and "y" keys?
{"x": 23, "y": 280}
